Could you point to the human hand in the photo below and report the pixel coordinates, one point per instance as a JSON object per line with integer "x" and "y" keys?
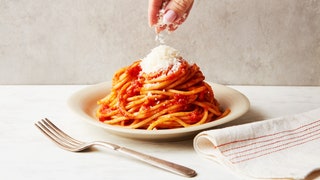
{"x": 168, "y": 14}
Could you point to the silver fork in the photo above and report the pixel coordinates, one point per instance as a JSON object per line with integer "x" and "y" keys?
{"x": 70, "y": 144}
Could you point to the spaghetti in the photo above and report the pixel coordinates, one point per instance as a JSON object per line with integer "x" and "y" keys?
{"x": 172, "y": 97}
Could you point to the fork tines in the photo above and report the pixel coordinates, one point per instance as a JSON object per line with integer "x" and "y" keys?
{"x": 57, "y": 135}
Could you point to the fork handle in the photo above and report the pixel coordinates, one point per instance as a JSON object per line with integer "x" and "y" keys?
{"x": 163, "y": 164}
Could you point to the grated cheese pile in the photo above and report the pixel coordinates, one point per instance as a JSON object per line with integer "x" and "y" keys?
{"x": 160, "y": 59}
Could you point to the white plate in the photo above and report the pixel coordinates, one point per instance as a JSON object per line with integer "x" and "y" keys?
{"x": 84, "y": 104}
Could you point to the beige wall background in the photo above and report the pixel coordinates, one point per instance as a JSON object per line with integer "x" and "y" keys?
{"x": 242, "y": 42}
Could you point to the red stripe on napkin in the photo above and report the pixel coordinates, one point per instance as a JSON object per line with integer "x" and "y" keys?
{"x": 238, "y": 151}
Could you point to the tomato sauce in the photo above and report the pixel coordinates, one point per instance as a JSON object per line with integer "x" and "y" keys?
{"x": 134, "y": 71}
{"x": 181, "y": 99}
{"x": 134, "y": 88}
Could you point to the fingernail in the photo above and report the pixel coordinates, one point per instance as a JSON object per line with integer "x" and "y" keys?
{"x": 169, "y": 17}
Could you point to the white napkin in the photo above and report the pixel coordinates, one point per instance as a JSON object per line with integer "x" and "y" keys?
{"x": 285, "y": 147}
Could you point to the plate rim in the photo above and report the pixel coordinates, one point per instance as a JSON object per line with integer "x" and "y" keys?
{"x": 74, "y": 104}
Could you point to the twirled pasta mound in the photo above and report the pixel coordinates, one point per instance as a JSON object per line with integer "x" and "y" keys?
{"x": 173, "y": 96}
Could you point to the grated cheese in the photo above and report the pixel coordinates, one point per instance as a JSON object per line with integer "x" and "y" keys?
{"x": 160, "y": 59}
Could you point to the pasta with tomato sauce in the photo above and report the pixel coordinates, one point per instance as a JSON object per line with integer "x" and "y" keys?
{"x": 161, "y": 91}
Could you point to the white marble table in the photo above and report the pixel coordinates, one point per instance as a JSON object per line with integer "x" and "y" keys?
{"x": 27, "y": 154}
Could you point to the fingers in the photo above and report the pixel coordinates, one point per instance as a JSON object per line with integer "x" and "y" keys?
{"x": 153, "y": 10}
{"x": 177, "y": 8}
{"x": 168, "y": 14}
{"x": 177, "y": 12}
